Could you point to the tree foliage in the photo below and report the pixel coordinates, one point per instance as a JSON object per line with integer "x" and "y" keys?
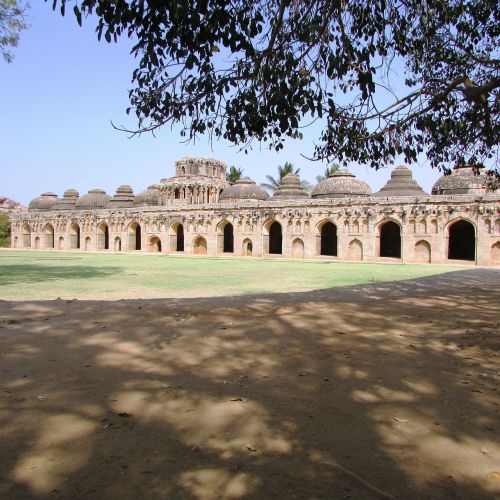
{"x": 4, "y": 230}
{"x": 12, "y": 22}
{"x": 329, "y": 170}
{"x": 272, "y": 183}
{"x": 234, "y": 174}
{"x": 260, "y": 70}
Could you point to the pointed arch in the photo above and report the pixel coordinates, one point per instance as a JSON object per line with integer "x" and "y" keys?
{"x": 117, "y": 244}
{"x": 74, "y": 236}
{"x": 102, "y": 236}
{"x": 49, "y": 236}
{"x": 60, "y": 243}
{"x": 297, "y": 248}
{"x": 154, "y": 244}
{"x": 355, "y": 250}
{"x": 389, "y": 239}
{"x": 88, "y": 243}
{"x": 247, "y": 247}
{"x": 326, "y": 238}
{"x": 225, "y": 237}
{"x": 200, "y": 245}
{"x": 26, "y": 236}
{"x": 273, "y": 237}
{"x": 176, "y": 233}
{"x": 495, "y": 253}
{"x": 134, "y": 236}
{"x": 422, "y": 252}
{"x": 461, "y": 240}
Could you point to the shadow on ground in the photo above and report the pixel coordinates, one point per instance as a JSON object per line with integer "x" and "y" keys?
{"x": 32, "y": 273}
{"x": 374, "y": 391}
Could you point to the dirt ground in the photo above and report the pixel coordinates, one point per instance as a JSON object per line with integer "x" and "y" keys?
{"x": 373, "y": 391}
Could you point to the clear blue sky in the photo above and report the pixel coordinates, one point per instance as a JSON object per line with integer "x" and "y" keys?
{"x": 57, "y": 101}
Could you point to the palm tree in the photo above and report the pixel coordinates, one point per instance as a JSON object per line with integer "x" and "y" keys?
{"x": 273, "y": 184}
{"x": 330, "y": 170}
{"x": 234, "y": 174}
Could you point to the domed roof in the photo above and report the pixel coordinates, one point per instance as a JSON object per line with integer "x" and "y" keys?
{"x": 148, "y": 197}
{"x": 401, "y": 183}
{"x": 43, "y": 202}
{"x": 243, "y": 189}
{"x": 124, "y": 197}
{"x": 95, "y": 198}
{"x": 68, "y": 201}
{"x": 290, "y": 187}
{"x": 462, "y": 180}
{"x": 341, "y": 184}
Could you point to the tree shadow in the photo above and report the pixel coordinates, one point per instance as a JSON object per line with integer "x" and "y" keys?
{"x": 34, "y": 273}
{"x": 386, "y": 390}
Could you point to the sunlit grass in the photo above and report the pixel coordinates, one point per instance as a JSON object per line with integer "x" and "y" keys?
{"x": 29, "y": 275}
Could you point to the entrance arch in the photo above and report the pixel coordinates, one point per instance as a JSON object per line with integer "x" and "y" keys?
{"x": 177, "y": 237}
{"x": 390, "y": 240}
{"x": 247, "y": 247}
{"x": 328, "y": 239}
{"x": 103, "y": 236}
{"x": 134, "y": 236}
{"x": 154, "y": 244}
{"x": 273, "y": 237}
{"x": 461, "y": 240}
{"x": 26, "y": 236}
{"x": 422, "y": 252}
{"x": 74, "y": 236}
{"x": 49, "y": 236}
{"x": 225, "y": 237}
{"x": 60, "y": 243}
{"x": 37, "y": 242}
{"x": 118, "y": 244}
{"x": 200, "y": 245}
{"x": 88, "y": 243}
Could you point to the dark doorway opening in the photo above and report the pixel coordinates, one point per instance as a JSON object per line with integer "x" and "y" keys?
{"x": 390, "y": 240}
{"x": 275, "y": 238}
{"x": 462, "y": 241}
{"x": 180, "y": 238}
{"x": 228, "y": 238}
{"x": 329, "y": 239}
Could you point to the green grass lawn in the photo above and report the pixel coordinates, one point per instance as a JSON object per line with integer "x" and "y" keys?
{"x": 26, "y": 275}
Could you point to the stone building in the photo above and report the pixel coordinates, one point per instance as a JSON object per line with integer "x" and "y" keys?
{"x": 198, "y": 212}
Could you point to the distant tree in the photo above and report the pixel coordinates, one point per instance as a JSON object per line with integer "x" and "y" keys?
{"x": 385, "y": 77}
{"x": 329, "y": 170}
{"x": 273, "y": 183}
{"x": 12, "y": 22}
{"x": 4, "y": 230}
{"x": 234, "y": 174}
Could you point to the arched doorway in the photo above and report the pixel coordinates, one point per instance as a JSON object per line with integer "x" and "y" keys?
{"x": 60, "y": 243}
{"x": 118, "y": 244}
{"x": 103, "y": 236}
{"x": 135, "y": 236}
{"x": 390, "y": 240}
{"x": 247, "y": 247}
{"x": 298, "y": 248}
{"x": 88, "y": 243}
{"x": 355, "y": 250}
{"x": 328, "y": 239}
{"x": 49, "y": 236}
{"x": 200, "y": 245}
{"x": 154, "y": 244}
{"x": 228, "y": 238}
{"x": 422, "y": 252}
{"x": 26, "y": 236}
{"x": 74, "y": 236}
{"x": 275, "y": 238}
{"x": 177, "y": 237}
{"x": 461, "y": 241}
{"x": 37, "y": 242}
{"x": 495, "y": 253}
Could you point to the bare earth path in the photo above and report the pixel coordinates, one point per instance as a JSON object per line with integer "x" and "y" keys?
{"x": 372, "y": 391}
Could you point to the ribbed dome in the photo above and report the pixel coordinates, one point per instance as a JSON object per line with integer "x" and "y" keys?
{"x": 461, "y": 181}
{"x": 95, "y": 198}
{"x": 243, "y": 189}
{"x": 124, "y": 197}
{"x": 341, "y": 184}
{"x": 401, "y": 183}
{"x": 290, "y": 187}
{"x": 69, "y": 200}
{"x": 148, "y": 197}
{"x": 43, "y": 202}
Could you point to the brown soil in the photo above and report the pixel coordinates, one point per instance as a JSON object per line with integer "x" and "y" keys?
{"x": 360, "y": 392}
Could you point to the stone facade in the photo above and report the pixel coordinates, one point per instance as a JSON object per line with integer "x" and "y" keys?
{"x": 343, "y": 220}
